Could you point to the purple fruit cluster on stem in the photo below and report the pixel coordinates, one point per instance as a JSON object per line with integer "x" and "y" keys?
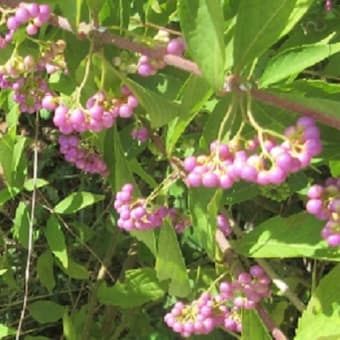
{"x": 223, "y": 309}
{"x": 33, "y": 15}
{"x": 83, "y": 159}
{"x": 137, "y": 214}
{"x": 226, "y": 164}
{"x": 324, "y": 203}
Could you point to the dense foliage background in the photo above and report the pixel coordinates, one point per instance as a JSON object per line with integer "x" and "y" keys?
{"x": 169, "y": 168}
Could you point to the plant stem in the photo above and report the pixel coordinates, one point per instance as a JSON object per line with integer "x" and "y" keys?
{"x": 282, "y": 286}
{"x": 30, "y": 228}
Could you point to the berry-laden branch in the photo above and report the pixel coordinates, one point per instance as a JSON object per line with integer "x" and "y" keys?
{"x": 159, "y": 53}
{"x": 236, "y": 268}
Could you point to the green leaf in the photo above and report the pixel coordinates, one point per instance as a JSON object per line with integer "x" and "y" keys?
{"x": 56, "y": 240}
{"x": 202, "y": 23}
{"x": 335, "y": 168}
{"x": 321, "y": 318}
{"x": 45, "y": 270}
{"x": 7, "y": 194}
{"x": 170, "y": 262}
{"x": 6, "y": 156}
{"x": 6, "y": 331}
{"x": 195, "y": 93}
{"x": 76, "y": 271}
{"x": 329, "y": 108}
{"x": 46, "y": 311}
{"x": 21, "y": 224}
{"x": 295, "y": 236}
{"x": 77, "y": 201}
{"x": 160, "y": 110}
{"x": 241, "y": 192}
{"x": 253, "y": 327}
{"x": 295, "y": 60}
{"x": 203, "y": 204}
{"x": 40, "y": 182}
{"x": 260, "y": 23}
{"x": 36, "y": 338}
{"x": 139, "y": 287}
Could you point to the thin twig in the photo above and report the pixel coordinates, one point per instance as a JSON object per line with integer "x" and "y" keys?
{"x": 93, "y": 294}
{"x": 30, "y": 229}
{"x": 48, "y": 207}
{"x": 282, "y": 285}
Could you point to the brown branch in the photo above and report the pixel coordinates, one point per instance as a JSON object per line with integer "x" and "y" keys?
{"x": 283, "y": 103}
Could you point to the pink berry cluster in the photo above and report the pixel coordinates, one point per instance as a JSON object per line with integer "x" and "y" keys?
{"x": 324, "y": 203}
{"x": 142, "y": 134}
{"x": 179, "y": 221}
{"x": 328, "y": 5}
{"x": 100, "y": 113}
{"x": 223, "y": 224}
{"x": 225, "y": 165}
{"x": 147, "y": 67}
{"x": 206, "y": 313}
{"x": 81, "y": 157}
{"x": 26, "y": 76}
{"x": 136, "y": 214}
{"x": 32, "y": 15}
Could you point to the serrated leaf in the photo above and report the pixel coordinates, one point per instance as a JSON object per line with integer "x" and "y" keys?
{"x": 139, "y": 287}
{"x": 77, "y": 201}
{"x": 295, "y": 236}
{"x": 56, "y": 240}
{"x": 202, "y": 23}
{"x": 46, "y": 311}
{"x": 295, "y": 60}
{"x": 260, "y": 23}
{"x": 253, "y": 327}
{"x": 321, "y": 318}
{"x": 45, "y": 270}
{"x": 170, "y": 262}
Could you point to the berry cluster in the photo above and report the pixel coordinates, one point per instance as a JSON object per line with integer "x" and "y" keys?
{"x": 324, "y": 203}
{"x": 223, "y": 224}
{"x": 100, "y": 113}
{"x": 81, "y": 157}
{"x": 223, "y": 309}
{"x": 226, "y": 165}
{"x": 328, "y": 5}
{"x": 142, "y": 134}
{"x": 147, "y": 67}
{"x": 136, "y": 214}
{"x": 25, "y": 76}
{"x": 31, "y": 14}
